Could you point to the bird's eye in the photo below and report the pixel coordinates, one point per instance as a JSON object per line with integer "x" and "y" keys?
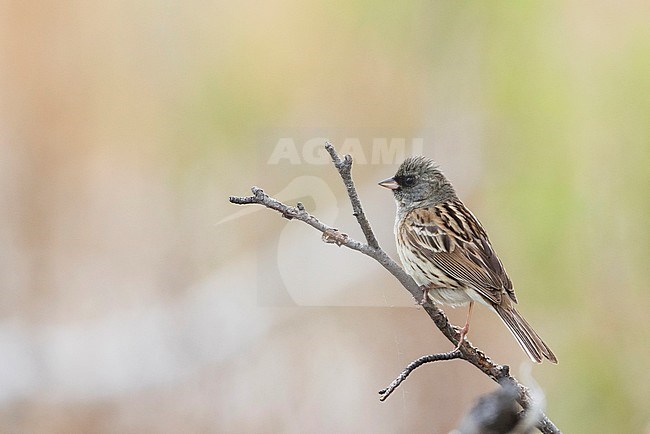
{"x": 408, "y": 181}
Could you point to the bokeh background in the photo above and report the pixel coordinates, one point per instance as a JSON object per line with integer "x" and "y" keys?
{"x": 135, "y": 298}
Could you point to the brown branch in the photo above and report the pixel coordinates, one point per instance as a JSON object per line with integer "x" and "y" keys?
{"x": 345, "y": 170}
{"x": 451, "y": 355}
{"x": 466, "y": 352}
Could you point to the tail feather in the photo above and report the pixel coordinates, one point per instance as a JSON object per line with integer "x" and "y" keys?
{"x": 529, "y": 340}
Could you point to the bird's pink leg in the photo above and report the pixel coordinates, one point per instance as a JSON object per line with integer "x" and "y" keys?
{"x": 465, "y": 329}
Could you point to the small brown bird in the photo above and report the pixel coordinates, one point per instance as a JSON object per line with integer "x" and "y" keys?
{"x": 444, "y": 248}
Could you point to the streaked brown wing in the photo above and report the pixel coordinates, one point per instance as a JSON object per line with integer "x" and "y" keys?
{"x": 454, "y": 241}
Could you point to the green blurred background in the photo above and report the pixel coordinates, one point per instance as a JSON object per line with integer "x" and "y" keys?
{"x": 124, "y": 127}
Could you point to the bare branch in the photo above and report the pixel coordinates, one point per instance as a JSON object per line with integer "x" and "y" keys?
{"x": 345, "y": 168}
{"x": 385, "y": 393}
{"x": 466, "y": 352}
{"x": 298, "y": 212}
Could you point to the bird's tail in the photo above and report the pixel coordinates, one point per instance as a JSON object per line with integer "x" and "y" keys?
{"x": 524, "y": 333}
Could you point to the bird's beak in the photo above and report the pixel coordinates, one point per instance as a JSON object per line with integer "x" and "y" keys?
{"x": 389, "y": 183}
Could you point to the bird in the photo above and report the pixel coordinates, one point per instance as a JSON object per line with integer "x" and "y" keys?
{"x": 447, "y": 252}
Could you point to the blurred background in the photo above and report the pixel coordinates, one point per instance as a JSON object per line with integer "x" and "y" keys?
{"x": 135, "y": 298}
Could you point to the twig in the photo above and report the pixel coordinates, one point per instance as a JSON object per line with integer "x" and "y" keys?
{"x": 298, "y": 213}
{"x": 385, "y": 393}
{"x": 466, "y": 352}
{"x": 345, "y": 170}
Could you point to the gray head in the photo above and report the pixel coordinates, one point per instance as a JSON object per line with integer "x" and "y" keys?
{"x": 419, "y": 183}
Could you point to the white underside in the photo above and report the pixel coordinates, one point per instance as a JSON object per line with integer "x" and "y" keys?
{"x": 457, "y": 297}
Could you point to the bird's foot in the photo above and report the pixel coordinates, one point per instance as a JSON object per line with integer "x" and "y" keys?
{"x": 463, "y": 335}
{"x": 465, "y": 329}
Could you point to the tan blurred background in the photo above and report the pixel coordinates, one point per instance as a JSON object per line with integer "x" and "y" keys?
{"x": 133, "y": 301}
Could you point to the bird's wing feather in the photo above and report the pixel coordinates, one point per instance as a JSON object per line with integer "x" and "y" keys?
{"x": 451, "y": 237}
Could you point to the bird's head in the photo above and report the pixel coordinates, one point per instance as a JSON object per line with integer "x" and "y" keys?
{"x": 418, "y": 183}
